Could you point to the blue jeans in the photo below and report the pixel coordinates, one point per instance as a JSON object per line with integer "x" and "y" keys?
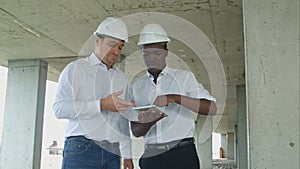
{"x": 82, "y": 153}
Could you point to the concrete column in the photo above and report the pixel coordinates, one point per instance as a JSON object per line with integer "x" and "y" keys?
{"x": 235, "y": 145}
{"x": 23, "y": 118}
{"x": 224, "y": 144}
{"x": 230, "y": 145}
{"x": 272, "y": 82}
{"x": 242, "y": 161}
{"x": 203, "y": 135}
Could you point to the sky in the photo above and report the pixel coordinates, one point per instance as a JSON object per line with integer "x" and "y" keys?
{"x": 3, "y": 77}
{"x": 53, "y": 128}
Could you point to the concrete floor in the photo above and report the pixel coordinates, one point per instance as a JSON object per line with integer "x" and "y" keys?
{"x": 224, "y": 163}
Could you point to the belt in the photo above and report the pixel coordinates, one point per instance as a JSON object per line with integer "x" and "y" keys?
{"x": 103, "y": 144}
{"x": 106, "y": 144}
{"x": 171, "y": 145}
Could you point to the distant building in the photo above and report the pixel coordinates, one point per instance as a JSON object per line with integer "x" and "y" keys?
{"x": 54, "y": 150}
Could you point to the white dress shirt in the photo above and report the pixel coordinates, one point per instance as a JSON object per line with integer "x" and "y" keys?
{"x": 81, "y": 86}
{"x": 179, "y": 123}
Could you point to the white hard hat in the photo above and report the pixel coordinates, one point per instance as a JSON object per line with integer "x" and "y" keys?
{"x": 113, "y": 27}
{"x": 153, "y": 33}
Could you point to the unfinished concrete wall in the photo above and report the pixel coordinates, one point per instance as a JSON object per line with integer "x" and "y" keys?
{"x": 272, "y": 82}
{"x": 242, "y": 160}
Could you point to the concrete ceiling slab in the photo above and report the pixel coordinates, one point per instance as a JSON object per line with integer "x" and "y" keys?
{"x": 58, "y": 32}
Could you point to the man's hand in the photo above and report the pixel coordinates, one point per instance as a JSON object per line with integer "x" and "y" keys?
{"x": 115, "y": 104}
{"x": 145, "y": 122}
{"x": 200, "y": 106}
{"x": 150, "y": 116}
{"x": 164, "y": 100}
{"x": 128, "y": 164}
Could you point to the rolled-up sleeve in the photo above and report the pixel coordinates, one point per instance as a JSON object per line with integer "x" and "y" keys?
{"x": 195, "y": 89}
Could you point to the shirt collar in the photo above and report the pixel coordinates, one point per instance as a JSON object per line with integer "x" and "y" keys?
{"x": 165, "y": 71}
{"x": 95, "y": 61}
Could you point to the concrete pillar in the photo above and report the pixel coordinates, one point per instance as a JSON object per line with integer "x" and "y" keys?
{"x": 203, "y": 135}
{"x": 23, "y": 118}
{"x": 235, "y": 145}
{"x": 242, "y": 161}
{"x": 272, "y": 82}
{"x": 230, "y": 145}
{"x": 224, "y": 144}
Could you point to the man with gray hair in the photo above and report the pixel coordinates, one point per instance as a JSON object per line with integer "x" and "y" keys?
{"x": 90, "y": 95}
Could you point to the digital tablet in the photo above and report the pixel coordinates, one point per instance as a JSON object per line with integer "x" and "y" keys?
{"x": 149, "y": 113}
{"x": 150, "y": 108}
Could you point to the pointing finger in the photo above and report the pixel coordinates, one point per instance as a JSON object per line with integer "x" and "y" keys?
{"x": 118, "y": 93}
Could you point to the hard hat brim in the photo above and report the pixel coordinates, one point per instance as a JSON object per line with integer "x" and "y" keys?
{"x": 97, "y": 34}
{"x": 153, "y": 42}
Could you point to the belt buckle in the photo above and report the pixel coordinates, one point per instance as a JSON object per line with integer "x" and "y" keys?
{"x": 102, "y": 144}
{"x": 162, "y": 147}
